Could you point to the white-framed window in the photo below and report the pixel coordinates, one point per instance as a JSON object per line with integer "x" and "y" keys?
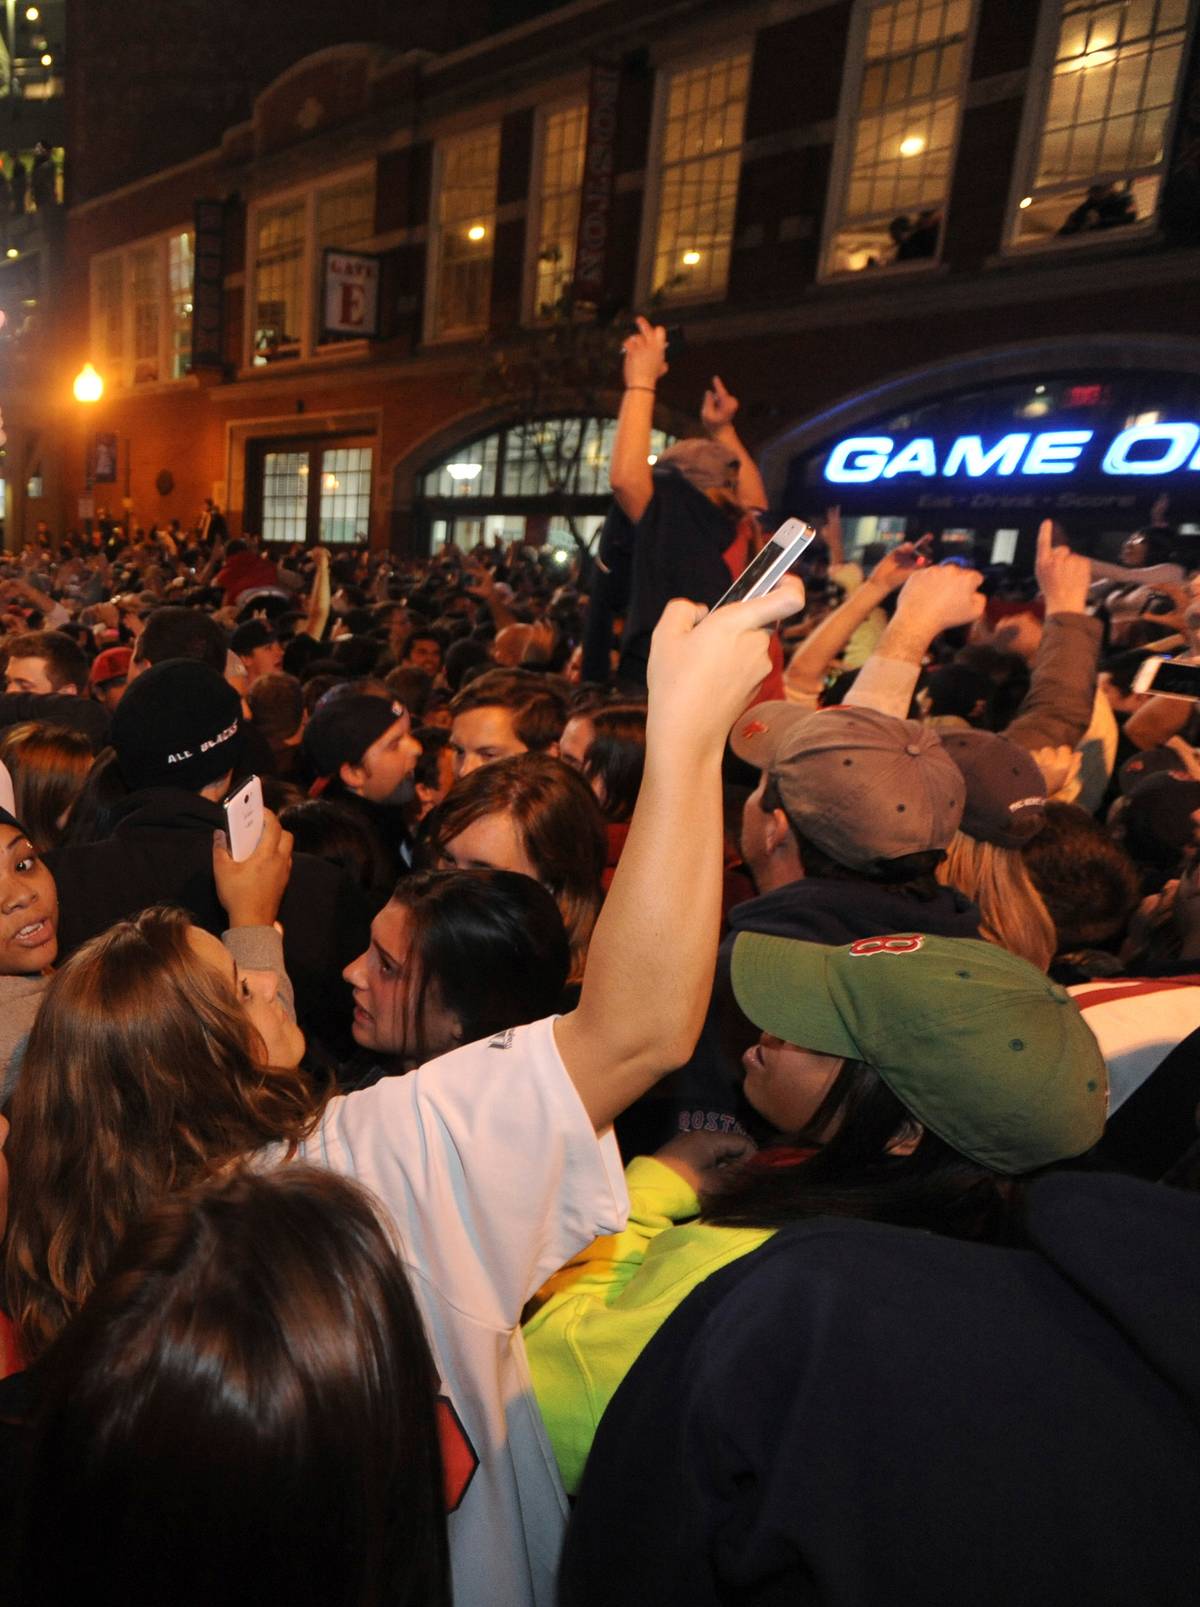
{"x": 700, "y": 123}
{"x": 141, "y": 311}
{"x": 1098, "y": 118}
{"x": 288, "y": 236}
{"x": 464, "y": 234}
{"x": 558, "y": 168}
{"x": 901, "y": 108}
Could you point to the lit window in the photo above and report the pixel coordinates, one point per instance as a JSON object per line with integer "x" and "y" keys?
{"x": 285, "y": 496}
{"x": 898, "y": 151}
{"x": 346, "y": 214}
{"x": 279, "y": 282}
{"x": 1099, "y": 152}
{"x": 704, "y": 113}
{"x": 461, "y": 262}
{"x": 564, "y": 136}
{"x": 142, "y": 311}
{"x": 345, "y": 510}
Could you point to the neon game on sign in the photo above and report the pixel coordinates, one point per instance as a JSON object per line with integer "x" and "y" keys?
{"x": 1156, "y": 449}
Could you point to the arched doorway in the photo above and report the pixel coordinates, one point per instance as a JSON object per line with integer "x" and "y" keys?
{"x": 544, "y": 482}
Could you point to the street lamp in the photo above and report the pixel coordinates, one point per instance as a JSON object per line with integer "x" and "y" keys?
{"x": 88, "y": 387}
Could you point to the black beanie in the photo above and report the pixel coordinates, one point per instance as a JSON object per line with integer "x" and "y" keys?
{"x": 178, "y": 725}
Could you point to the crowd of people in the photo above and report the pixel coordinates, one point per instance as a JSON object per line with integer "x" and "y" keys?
{"x": 680, "y": 1104}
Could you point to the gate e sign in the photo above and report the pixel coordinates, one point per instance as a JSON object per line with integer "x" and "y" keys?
{"x": 351, "y": 296}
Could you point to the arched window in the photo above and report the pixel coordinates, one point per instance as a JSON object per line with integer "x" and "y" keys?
{"x": 544, "y": 482}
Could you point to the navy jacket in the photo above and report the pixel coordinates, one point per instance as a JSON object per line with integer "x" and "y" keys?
{"x": 866, "y": 1416}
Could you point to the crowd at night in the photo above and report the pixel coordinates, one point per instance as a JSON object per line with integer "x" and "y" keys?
{"x": 600, "y": 804}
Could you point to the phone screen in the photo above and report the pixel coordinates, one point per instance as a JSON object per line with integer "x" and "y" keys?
{"x": 770, "y": 565}
{"x": 1172, "y": 679}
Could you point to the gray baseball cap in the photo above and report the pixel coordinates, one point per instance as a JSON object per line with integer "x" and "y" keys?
{"x": 705, "y": 463}
{"x": 862, "y": 786}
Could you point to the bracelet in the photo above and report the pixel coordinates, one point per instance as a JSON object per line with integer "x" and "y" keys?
{"x": 649, "y": 388}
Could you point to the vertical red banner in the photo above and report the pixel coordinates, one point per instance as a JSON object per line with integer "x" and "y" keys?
{"x": 596, "y": 196}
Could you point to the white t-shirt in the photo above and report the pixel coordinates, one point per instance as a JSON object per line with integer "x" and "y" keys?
{"x": 488, "y": 1165}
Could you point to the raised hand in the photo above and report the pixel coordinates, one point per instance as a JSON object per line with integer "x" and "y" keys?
{"x": 251, "y": 890}
{"x": 645, "y": 354}
{"x": 1063, "y": 576}
{"x": 718, "y": 408}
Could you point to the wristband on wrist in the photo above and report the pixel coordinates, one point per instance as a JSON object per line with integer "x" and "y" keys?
{"x": 649, "y": 388}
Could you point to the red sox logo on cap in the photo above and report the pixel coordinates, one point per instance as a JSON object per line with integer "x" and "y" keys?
{"x": 754, "y": 729}
{"x": 886, "y": 945}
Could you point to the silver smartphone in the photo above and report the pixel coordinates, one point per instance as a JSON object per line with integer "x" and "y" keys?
{"x": 1167, "y": 677}
{"x": 767, "y": 569}
{"x": 244, "y": 818}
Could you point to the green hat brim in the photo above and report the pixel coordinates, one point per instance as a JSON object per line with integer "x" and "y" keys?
{"x": 782, "y": 985}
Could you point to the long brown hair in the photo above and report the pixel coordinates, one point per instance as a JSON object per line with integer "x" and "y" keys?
{"x": 142, "y": 1076}
{"x": 244, "y": 1410}
{"x": 559, "y": 822}
{"x": 49, "y": 766}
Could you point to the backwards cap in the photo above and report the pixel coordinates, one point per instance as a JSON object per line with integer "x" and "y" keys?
{"x": 983, "y": 1049}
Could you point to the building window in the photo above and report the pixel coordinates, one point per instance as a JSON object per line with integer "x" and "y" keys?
{"x": 279, "y": 283}
{"x": 563, "y": 142}
{"x": 285, "y": 496}
{"x": 465, "y": 221}
{"x": 703, "y": 117}
{"x": 897, "y": 153}
{"x": 291, "y": 238}
{"x": 345, "y": 512}
{"x": 142, "y": 311}
{"x": 1099, "y": 152}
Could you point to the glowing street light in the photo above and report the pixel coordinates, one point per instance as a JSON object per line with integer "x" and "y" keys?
{"x": 476, "y": 232}
{"x": 691, "y": 258}
{"x": 47, "y": 59}
{"x": 88, "y": 386}
{"x": 32, "y": 13}
{"x": 913, "y": 145}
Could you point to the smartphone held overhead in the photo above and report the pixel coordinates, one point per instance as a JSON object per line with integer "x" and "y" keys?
{"x": 764, "y": 572}
{"x": 244, "y": 818}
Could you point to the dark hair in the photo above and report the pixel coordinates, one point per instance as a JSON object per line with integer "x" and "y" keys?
{"x": 343, "y": 837}
{"x": 356, "y": 655}
{"x": 425, "y": 634}
{"x": 412, "y": 686}
{"x": 434, "y": 740}
{"x": 244, "y": 1410}
{"x": 460, "y": 657}
{"x": 277, "y": 704}
{"x": 853, "y": 1172}
{"x": 558, "y": 820}
{"x": 92, "y": 812}
{"x": 1087, "y": 881}
{"x": 539, "y": 711}
{"x": 182, "y": 633}
{"x": 616, "y": 757}
{"x": 66, "y": 663}
{"x": 491, "y": 942}
{"x": 320, "y": 681}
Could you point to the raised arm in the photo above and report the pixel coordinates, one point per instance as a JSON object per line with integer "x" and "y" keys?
{"x": 1057, "y": 709}
{"x": 807, "y": 667}
{"x": 319, "y": 597}
{"x": 932, "y": 601}
{"x": 717, "y": 414}
{"x": 650, "y": 965}
{"x": 645, "y": 364}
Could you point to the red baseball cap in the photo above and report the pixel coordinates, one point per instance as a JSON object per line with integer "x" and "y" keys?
{"x": 111, "y": 665}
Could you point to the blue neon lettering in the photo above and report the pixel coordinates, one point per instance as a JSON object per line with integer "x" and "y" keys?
{"x": 918, "y": 457}
{"x": 1179, "y": 439}
{"x": 1056, "y": 451}
{"x": 859, "y": 459}
{"x": 968, "y": 456}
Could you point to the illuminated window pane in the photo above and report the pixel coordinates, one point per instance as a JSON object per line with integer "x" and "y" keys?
{"x": 345, "y": 506}
{"x": 279, "y": 282}
{"x": 466, "y": 230}
{"x": 563, "y": 139}
{"x": 909, "y": 103}
{"x": 703, "y": 121}
{"x": 346, "y": 214}
{"x": 179, "y": 285}
{"x": 285, "y": 495}
{"x": 1099, "y": 156}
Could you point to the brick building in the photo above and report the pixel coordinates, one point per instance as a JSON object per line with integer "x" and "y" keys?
{"x": 945, "y": 251}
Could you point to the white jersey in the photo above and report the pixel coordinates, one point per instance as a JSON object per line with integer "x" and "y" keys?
{"x": 488, "y": 1165}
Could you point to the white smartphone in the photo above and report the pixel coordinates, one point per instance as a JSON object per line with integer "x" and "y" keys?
{"x": 1167, "y": 677}
{"x": 765, "y": 571}
{"x": 244, "y": 818}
